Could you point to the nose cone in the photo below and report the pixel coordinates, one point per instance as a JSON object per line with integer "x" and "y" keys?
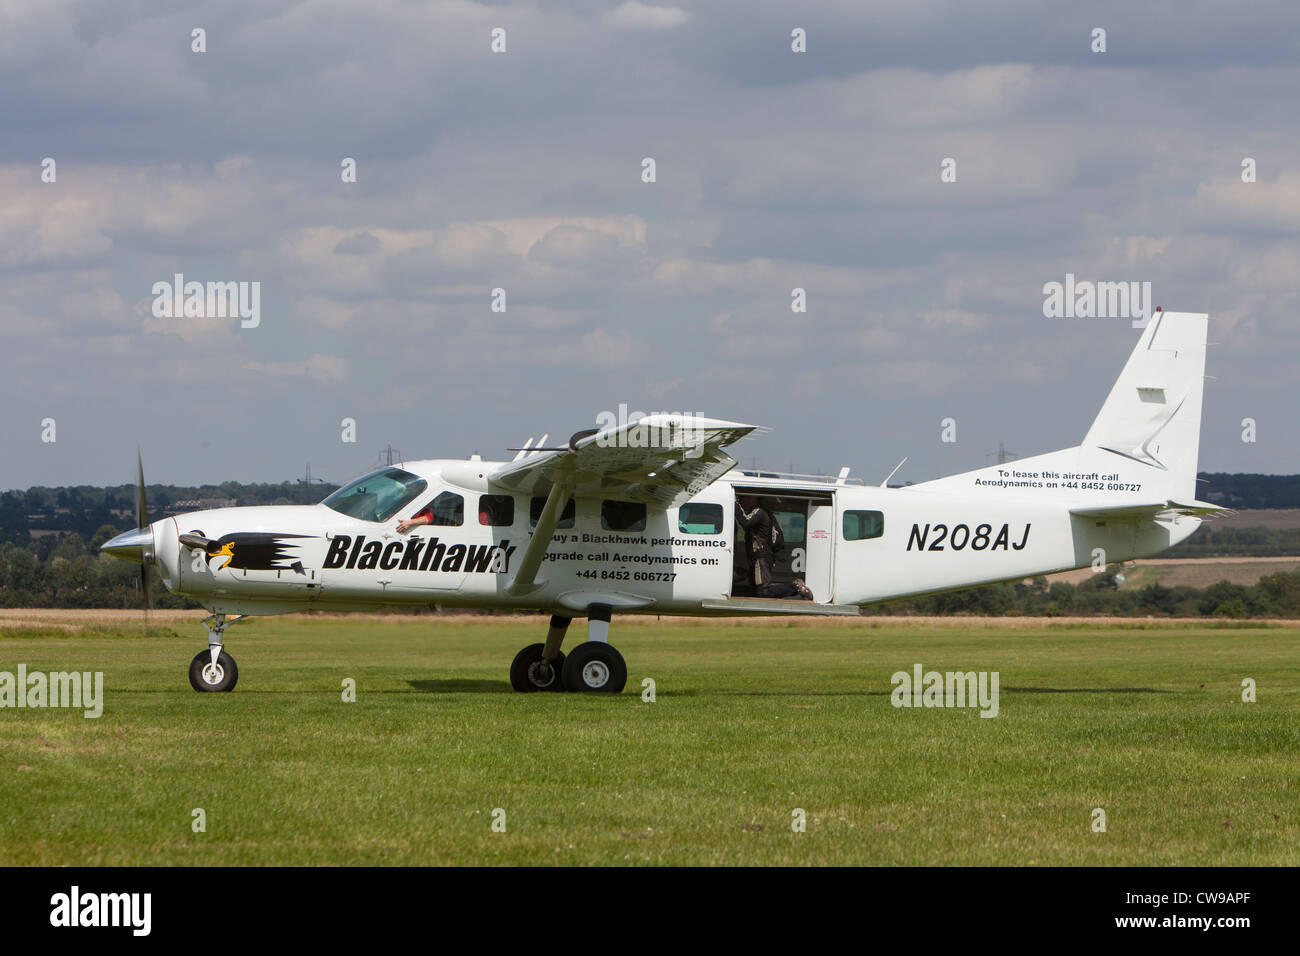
{"x": 131, "y": 546}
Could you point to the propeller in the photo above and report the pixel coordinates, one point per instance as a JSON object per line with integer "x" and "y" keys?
{"x": 141, "y": 523}
{"x": 137, "y": 545}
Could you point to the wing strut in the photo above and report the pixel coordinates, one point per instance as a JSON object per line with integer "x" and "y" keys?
{"x": 525, "y": 580}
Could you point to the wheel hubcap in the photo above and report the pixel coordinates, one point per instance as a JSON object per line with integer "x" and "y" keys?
{"x": 595, "y": 674}
{"x": 541, "y": 674}
{"x": 213, "y": 673}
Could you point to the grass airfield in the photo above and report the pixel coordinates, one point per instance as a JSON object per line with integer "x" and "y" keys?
{"x": 752, "y": 719}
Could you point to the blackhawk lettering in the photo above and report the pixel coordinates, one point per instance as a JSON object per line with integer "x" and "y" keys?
{"x": 417, "y": 554}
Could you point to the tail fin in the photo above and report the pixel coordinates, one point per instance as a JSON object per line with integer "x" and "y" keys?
{"x": 1152, "y": 417}
{"x": 1153, "y": 413}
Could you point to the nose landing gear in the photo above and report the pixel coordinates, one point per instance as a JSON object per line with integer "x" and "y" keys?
{"x": 214, "y": 670}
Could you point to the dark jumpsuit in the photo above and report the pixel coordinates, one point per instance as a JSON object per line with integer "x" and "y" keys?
{"x": 758, "y": 542}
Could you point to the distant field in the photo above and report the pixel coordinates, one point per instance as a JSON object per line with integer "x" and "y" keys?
{"x": 1191, "y": 572}
{"x": 1142, "y": 719}
{"x": 1272, "y": 518}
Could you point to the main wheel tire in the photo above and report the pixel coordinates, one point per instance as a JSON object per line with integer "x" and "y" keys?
{"x": 595, "y": 668}
{"x": 207, "y": 677}
{"x": 528, "y": 672}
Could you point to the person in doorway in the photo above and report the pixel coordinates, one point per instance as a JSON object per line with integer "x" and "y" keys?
{"x": 758, "y": 524}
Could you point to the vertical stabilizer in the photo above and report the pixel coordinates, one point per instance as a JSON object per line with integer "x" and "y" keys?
{"x": 1153, "y": 413}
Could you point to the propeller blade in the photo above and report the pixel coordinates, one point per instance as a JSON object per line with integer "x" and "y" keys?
{"x": 141, "y": 503}
{"x": 146, "y": 590}
{"x": 142, "y": 522}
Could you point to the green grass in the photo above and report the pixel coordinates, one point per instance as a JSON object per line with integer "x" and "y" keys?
{"x": 750, "y": 723}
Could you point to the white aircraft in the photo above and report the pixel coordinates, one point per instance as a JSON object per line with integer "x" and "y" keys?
{"x": 642, "y": 518}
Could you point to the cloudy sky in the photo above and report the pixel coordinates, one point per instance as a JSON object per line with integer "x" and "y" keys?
{"x": 522, "y": 171}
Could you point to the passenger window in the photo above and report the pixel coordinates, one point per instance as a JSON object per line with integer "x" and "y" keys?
{"x": 860, "y": 525}
{"x": 622, "y": 515}
{"x": 695, "y": 518}
{"x": 794, "y": 525}
{"x": 537, "y": 505}
{"x": 496, "y": 511}
{"x": 448, "y": 510}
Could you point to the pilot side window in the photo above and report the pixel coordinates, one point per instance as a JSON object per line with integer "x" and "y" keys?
{"x": 377, "y": 496}
{"x": 496, "y": 511}
{"x": 699, "y": 518}
{"x": 448, "y": 509}
{"x": 622, "y": 515}
{"x": 860, "y": 525}
{"x": 535, "y": 507}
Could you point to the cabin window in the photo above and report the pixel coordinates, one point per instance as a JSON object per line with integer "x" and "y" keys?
{"x": 622, "y": 515}
{"x": 794, "y": 525}
{"x": 536, "y": 506}
{"x": 860, "y": 525}
{"x": 496, "y": 511}
{"x": 377, "y": 496}
{"x": 448, "y": 510}
{"x": 697, "y": 518}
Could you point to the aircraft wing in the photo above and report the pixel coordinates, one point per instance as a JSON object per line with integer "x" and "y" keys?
{"x": 1150, "y": 509}
{"x": 660, "y": 460}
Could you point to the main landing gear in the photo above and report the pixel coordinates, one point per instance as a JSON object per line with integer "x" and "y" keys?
{"x": 593, "y": 667}
{"x": 214, "y": 670}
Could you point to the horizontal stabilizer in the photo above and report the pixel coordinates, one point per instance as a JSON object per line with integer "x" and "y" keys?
{"x": 1149, "y": 509}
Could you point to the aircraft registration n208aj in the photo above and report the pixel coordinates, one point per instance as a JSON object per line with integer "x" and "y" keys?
{"x": 641, "y": 518}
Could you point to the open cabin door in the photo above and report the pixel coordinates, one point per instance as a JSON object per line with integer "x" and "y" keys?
{"x": 807, "y": 522}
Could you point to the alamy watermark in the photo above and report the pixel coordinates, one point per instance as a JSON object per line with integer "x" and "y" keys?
{"x": 75, "y": 908}
{"x": 1084, "y": 299}
{"x": 58, "y": 689}
{"x": 210, "y": 300}
{"x": 624, "y": 429}
{"x": 951, "y": 689}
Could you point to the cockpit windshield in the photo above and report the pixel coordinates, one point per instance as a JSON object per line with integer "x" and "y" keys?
{"x": 377, "y": 496}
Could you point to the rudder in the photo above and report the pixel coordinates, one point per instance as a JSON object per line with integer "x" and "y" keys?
{"x": 1153, "y": 412}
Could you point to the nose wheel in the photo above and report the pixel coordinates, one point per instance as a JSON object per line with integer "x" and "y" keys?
{"x": 207, "y": 675}
{"x": 213, "y": 670}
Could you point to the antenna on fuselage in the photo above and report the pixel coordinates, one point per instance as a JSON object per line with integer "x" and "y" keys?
{"x": 885, "y": 483}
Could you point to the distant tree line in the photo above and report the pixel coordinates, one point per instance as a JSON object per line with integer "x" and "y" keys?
{"x": 1249, "y": 491}
{"x": 72, "y": 573}
{"x": 84, "y": 509}
{"x": 1210, "y": 541}
{"x": 66, "y": 571}
{"x": 63, "y": 567}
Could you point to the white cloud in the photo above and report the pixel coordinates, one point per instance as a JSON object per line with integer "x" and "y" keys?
{"x": 632, "y": 15}
{"x": 327, "y": 369}
{"x": 1228, "y": 203}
